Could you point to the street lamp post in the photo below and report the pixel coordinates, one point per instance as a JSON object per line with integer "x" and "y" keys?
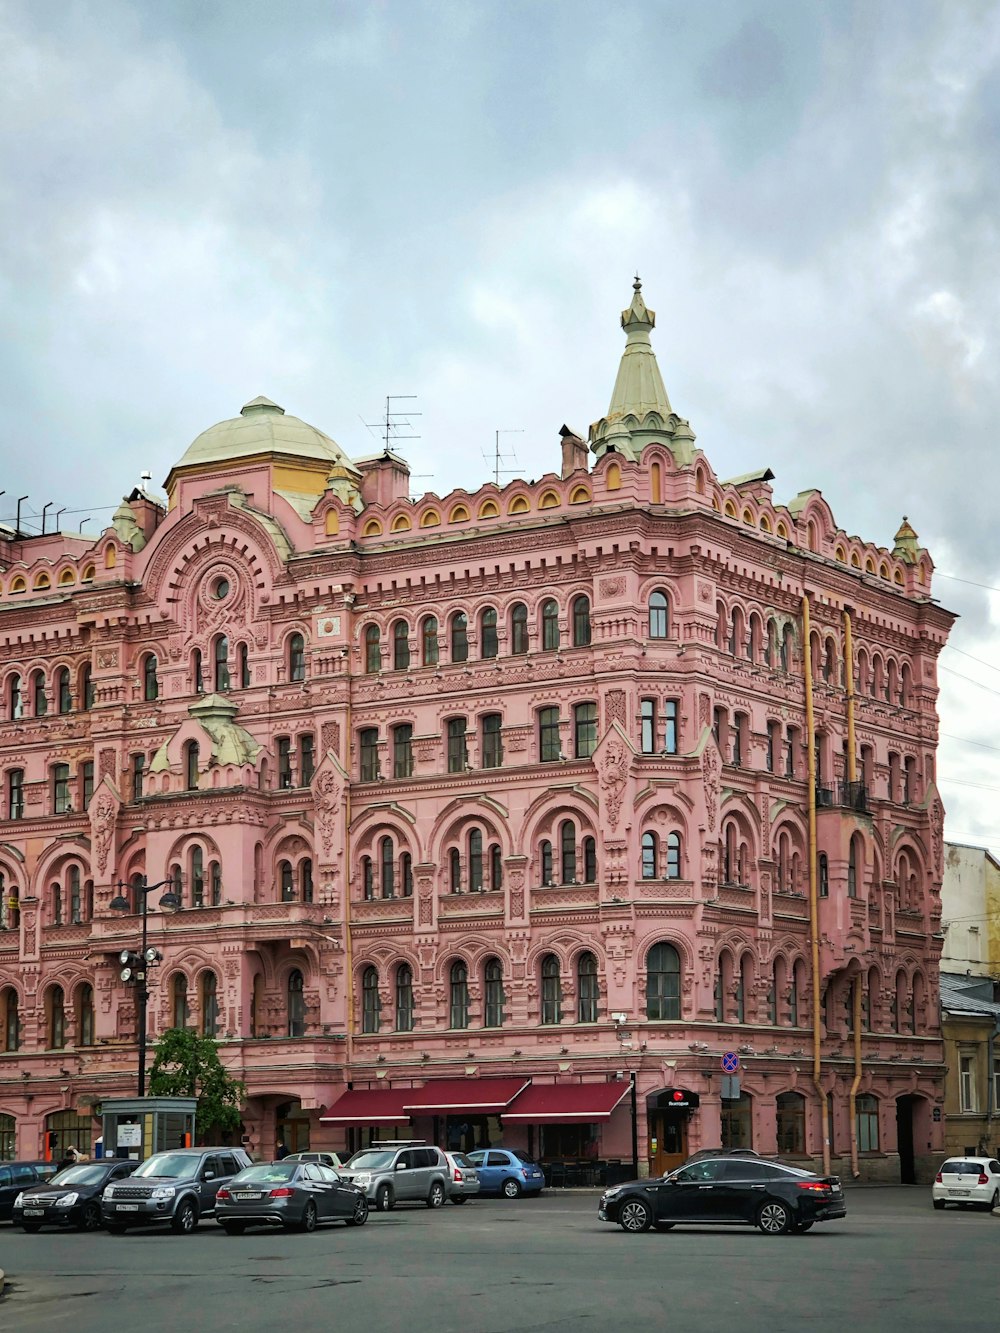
{"x": 135, "y": 966}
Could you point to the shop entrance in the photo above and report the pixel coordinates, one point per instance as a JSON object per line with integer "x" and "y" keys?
{"x": 667, "y": 1116}
{"x": 292, "y": 1126}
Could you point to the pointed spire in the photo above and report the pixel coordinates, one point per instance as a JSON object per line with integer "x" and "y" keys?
{"x": 907, "y": 543}
{"x": 640, "y": 410}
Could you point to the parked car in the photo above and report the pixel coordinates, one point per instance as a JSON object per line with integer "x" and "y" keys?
{"x": 177, "y": 1188}
{"x": 722, "y": 1190}
{"x": 398, "y": 1172}
{"x": 967, "y": 1180}
{"x": 18, "y": 1176}
{"x": 72, "y": 1198}
{"x": 463, "y": 1179}
{"x": 293, "y": 1194}
{"x": 324, "y": 1158}
{"x": 506, "y": 1171}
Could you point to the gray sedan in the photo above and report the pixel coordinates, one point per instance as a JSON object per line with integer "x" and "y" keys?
{"x": 296, "y": 1195}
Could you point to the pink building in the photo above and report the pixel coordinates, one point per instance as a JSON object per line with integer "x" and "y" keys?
{"x": 485, "y": 809}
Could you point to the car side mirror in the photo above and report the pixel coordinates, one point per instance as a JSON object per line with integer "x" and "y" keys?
{"x": 400, "y": 1166}
{"x": 208, "y": 1175}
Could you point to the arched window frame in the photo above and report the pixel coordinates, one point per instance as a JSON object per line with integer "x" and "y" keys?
{"x": 371, "y": 1001}
{"x": 658, "y": 609}
{"x": 581, "y": 622}
{"x": 551, "y": 1009}
{"x": 663, "y": 983}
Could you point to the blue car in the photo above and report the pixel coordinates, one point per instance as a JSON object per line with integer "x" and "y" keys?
{"x": 507, "y": 1172}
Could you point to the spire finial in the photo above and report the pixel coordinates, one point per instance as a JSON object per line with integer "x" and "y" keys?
{"x": 637, "y": 285}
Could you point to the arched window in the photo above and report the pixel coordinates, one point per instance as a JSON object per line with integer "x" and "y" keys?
{"x": 367, "y": 878}
{"x": 744, "y": 987}
{"x": 663, "y": 983}
{"x": 373, "y": 651}
{"x": 386, "y": 856}
{"x": 39, "y": 697}
{"x": 406, "y": 874}
{"x": 550, "y": 625}
{"x": 545, "y": 856}
{"x": 855, "y": 858}
{"x": 220, "y": 655}
{"x": 551, "y": 990}
{"x": 64, "y": 692}
{"x": 296, "y": 1004}
{"x": 150, "y": 680}
{"x": 567, "y": 851}
{"x": 371, "y": 1001}
{"x": 197, "y": 671}
{"x": 429, "y": 641}
{"x": 488, "y": 645}
{"x": 286, "y": 880}
{"x": 404, "y": 998}
{"x": 400, "y": 646}
{"x": 496, "y": 867}
{"x": 75, "y": 902}
{"x": 588, "y": 991}
{"x": 659, "y": 615}
{"x": 581, "y": 622}
{"x": 589, "y": 861}
{"x": 790, "y": 1115}
{"x": 85, "y": 1015}
{"x": 10, "y": 1031}
{"x": 493, "y": 1014}
{"x": 460, "y": 637}
{"x": 796, "y": 992}
{"x": 776, "y": 991}
{"x": 649, "y": 857}
{"x": 518, "y": 629}
{"x": 673, "y": 856}
{"x": 179, "y": 1001}
{"x": 215, "y": 883}
{"x": 197, "y": 877}
{"x": 56, "y": 1016}
{"x": 191, "y": 755}
{"x": 306, "y": 879}
{"x": 458, "y": 1008}
{"x": 455, "y": 870}
{"x": 243, "y": 655}
{"x": 86, "y": 687}
{"x": 475, "y": 861}
{"x": 209, "y": 1004}
{"x": 16, "y": 699}
{"x": 296, "y": 657}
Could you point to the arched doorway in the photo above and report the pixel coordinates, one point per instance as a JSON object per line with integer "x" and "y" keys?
{"x": 912, "y": 1128}
{"x": 667, "y": 1117}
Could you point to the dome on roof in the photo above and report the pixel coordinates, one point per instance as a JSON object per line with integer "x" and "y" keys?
{"x": 263, "y": 428}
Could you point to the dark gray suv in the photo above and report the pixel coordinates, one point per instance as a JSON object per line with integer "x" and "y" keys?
{"x": 176, "y": 1187}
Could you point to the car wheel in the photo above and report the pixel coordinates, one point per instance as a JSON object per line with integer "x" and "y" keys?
{"x": 384, "y": 1200}
{"x": 360, "y": 1215}
{"x": 459, "y": 1198}
{"x": 511, "y": 1189}
{"x": 234, "y": 1228}
{"x": 436, "y": 1196}
{"x": 185, "y": 1219}
{"x": 773, "y": 1218}
{"x": 116, "y": 1231}
{"x": 30, "y": 1227}
{"x": 939, "y": 1205}
{"x": 91, "y": 1220}
{"x": 635, "y": 1216}
{"x": 309, "y": 1218}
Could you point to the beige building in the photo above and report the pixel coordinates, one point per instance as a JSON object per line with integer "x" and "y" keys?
{"x": 970, "y": 1024}
{"x": 970, "y": 911}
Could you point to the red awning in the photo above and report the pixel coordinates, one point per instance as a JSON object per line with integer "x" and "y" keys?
{"x": 369, "y": 1106}
{"x": 548, "y": 1103}
{"x": 453, "y": 1096}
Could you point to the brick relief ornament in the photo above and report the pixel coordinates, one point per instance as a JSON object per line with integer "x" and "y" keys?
{"x": 103, "y": 814}
{"x": 612, "y": 587}
{"x": 614, "y": 776}
{"x": 616, "y": 707}
{"x": 106, "y": 764}
{"x": 330, "y": 738}
{"x": 326, "y": 797}
{"x": 710, "y": 773}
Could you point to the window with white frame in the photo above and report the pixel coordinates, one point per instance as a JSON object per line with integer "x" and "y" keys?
{"x": 968, "y": 1102}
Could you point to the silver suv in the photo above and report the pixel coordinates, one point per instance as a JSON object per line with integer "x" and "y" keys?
{"x": 399, "y": 1172}
{"x": 177, "y": 1187}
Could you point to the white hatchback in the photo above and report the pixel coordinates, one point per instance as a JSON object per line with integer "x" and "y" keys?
{"x": 965, "y": 1180}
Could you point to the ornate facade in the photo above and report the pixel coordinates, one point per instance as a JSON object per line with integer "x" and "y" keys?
{"x": 584, "y": 780}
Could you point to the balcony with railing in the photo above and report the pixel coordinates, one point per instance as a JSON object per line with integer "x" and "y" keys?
{"x": 843, "y": 796}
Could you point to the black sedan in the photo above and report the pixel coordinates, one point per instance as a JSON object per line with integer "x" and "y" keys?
{"x": 720, "y": 1191}
{"x": 72, "y": 1198}
{"x": 296, "y": 1195}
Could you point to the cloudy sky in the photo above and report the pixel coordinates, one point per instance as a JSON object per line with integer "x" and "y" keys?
{"x": 328, "y": 202}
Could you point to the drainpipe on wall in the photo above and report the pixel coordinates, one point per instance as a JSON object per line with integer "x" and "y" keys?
{"x": 348, "y": 950}
{"x": 813, "y": 887}
{"x": 852, "y": 1102}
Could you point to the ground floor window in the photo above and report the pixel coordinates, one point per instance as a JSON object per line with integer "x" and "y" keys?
{"x": 579, "y": 1141}
{"x": 69, "y": 1130}
{"x": 737, "y": 1122}
{"x": 8, "y": 1138}
{"x": 790, "y": 1110}
{"x": 866, "y": 1111}
{"x": 466, "y": 1133}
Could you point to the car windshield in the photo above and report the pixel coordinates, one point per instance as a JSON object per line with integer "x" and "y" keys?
{"x": 270, "y": 1173}
{"x": 371, "y": 1161}
{"x": 963, "y": 1168}
{"x": 80, "y": 1175}
{"x": 168, "y": 1164}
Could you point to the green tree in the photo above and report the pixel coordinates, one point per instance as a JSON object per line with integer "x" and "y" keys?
{"x": 188, "y": 1065}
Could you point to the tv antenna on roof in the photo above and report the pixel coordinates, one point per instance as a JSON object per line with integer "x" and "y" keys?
{"x": 395, "y": 423}
{"x": 499, "y": 457}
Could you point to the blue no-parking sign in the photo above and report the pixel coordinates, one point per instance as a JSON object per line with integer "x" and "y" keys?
{"x": 730, "y": 1062}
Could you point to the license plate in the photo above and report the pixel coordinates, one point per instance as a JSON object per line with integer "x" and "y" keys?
{"x": 957, "y": 1193}
{"x": 247, "y": 1196}
{"x": 34, "y": 1212}
{"x": 127, "y": 1207}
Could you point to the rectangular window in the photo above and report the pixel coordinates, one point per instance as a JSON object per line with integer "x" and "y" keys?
{"x": 791, "y": 744}
{"x": 307, "y": 758}
{"x": 60, "y": 789}
{"x": 138, "y": 776}
{"x": 284, "y": 762}
{"x": 647, "y": 729}
{"x": 867, "y": 1123}
{"x": 87, "y": 782}
{"x": 491, "y": 747}
{"x": 773, "y": 745}
{"x": 549, "y": 748}
{"x": 670, "y": 707}
{"x": 402, "y": 750}
{"x": 968, "y": 1101}
{"x": 458, "y": 752}
{"x": 368, "y": 747}
{"x": 738, "y": 738}
{"x": 584, "y": 730}
{"x": 15, "y": 793}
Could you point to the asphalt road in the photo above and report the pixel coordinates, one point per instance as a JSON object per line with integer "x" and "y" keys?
{"x": 492, "y": 1266}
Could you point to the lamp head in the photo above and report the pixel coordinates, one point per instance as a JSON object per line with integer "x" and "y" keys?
{"x": 120, "y": 904}
{"x": 170, "y": 902}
